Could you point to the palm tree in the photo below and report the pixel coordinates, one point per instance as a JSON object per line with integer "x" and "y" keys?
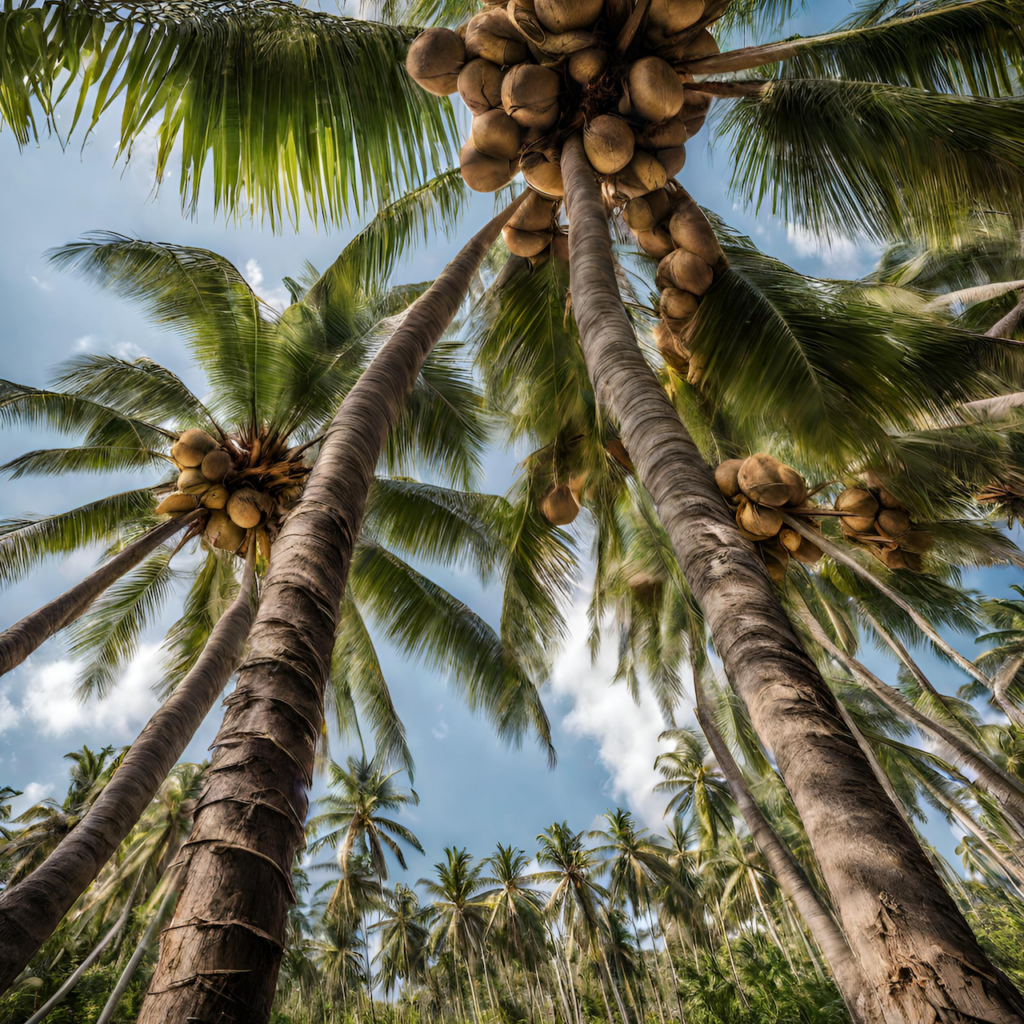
{"x": 404, "y": 933}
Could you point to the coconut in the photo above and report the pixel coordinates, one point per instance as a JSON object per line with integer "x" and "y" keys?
{"x": 654, "y": 89}
{"x": 534, "y": 213}
{"x": 668, "y": 135}
{"x": 727, "y": 477}
{"x": 586, "y": 66}
{"x": 692, "y": 232}
{"x": 917, "y": 541}
{"x": 796, "y": 484}
{"x": 529, "y": 93}
{"x": 186, "y": 456}
{"x": 434, "y": 60}
{"x": 641, "y": 175}
{"x": 673, "y": 160}
{"x": 761, "y": 479}
{"x": 525, "y": 243}
{"x": 702, "y": 45}
{"x": 559, "y": 507}
{"x": 674, "y": 354}
{"x": 893, "y": 522}
{"x": 223, "y": 533}
{"x": 686, "y": 271}
{"x": 567, "y": 15}
{"x": 560, "y": 246}
{"x": 543, "y": 175}
{"x": 176, "y": 503}
{"x": 483, "y": 173}
{"x": 891, "y": 558}
{"x": 192, "y": 481}
{"x": 646, "y": 212}
{"x": 695, "y": 370}
{"x": 678, "y": 305}
{"x": 656, "y": 243}
{"x": 608, "y": 141}
{"x": 480, "y": 85}
{"x": 216, "y": 465}
{"x": 492, "y": 36}
{"x": 673, "y": 16}
{"x": 496, "y": 135}
{"x": 758, "y": 520}
{"x": 216, "y": 497}
{"x": 244, "y": 508}
{"x": 861, "y": 507}
{"x": 776, "y": 561}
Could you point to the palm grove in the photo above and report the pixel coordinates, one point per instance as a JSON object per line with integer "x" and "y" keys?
{"x": 773, "y": 467}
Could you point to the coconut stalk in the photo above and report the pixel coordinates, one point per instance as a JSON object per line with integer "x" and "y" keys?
{"x": 231, "y": 916}
{"x": 25, "y": 636}
{"x": 31, "y": 910}
{"x": 899, "y": 918}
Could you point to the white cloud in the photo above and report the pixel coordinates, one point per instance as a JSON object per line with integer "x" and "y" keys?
{"x": 278, "y": 298}
{"x": 32, "y": 794}
{"x": 86, "y": 343}
{"x": 9, "y": 714}
{"x": 846, "y": 256}
{"x": 626, "y": 733}
{"x": 44, "y": 285}
{"x": 440, "y": 730}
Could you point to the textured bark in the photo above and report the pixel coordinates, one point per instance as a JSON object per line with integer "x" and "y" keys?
{"x": 1004, "y": 328}
{"x": 859, "y": 996}
{"x": 1001, "y": 683}
{"x": 21, "y": 639}
{"x": 31, "y": 910}
{"x": 913, "y": 944}
{"x": 220, "y": 956}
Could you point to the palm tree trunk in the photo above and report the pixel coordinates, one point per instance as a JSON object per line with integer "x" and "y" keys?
{"x": 897, "y": 915}
{"x": 31, "y": 911}
{"x": 615, "y": 988}
{"x": 1001, "y": 683}
{"x": 230, "y": 919}
{"x": 25, "y": 636}
{"x": 728, "y": 950}
{"x": 853, "y": 986}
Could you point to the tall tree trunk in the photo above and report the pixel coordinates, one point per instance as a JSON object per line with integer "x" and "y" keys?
{"x": 853, "y": 986}
{"x": 21, "y": 639}
{"x": 914, "y": 945}
{"x": 220, "y": 958}
{"x": 31, "y": 910}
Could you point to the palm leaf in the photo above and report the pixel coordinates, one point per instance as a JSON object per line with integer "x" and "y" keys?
{"x": 83, "y": 459}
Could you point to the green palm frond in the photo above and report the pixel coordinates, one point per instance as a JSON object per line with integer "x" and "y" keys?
{"x": 25, "y": 542}
{"x": 83, "y": 459}
{"x": 756, "y": 16}
{"x": 293, "y": 109}
{"x": 846, "y": 157}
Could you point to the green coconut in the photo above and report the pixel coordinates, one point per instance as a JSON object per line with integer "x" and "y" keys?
{"x": 567, "y": 15}
{"x": 692, "y": 232}
{"x": 525, "y": 243}
{"x": 480, "y": 85}
{"x": 496, "y": 135}
{"x": 727, "y": 477}
{"x": 656, "y": 243}
{"x": 644, "y": 213}
{"x": 685, "y": 271}
{"x": 559, "y": 506}
{"x": 435, "y": 59}
{"x": 758, "y": 521}
{"x": 216, "y": 497}
{"x": 534, "y": 213}
{"x": 216, "y": 465}
{"x": 677, "y": 304}
{"x": 529, "y": 93}
{"x": 176, "y": 503}
{"x": 641, "y": 175}
{"x": 192, "y": 481}
{"x": 655, "y": 91}
{"x": 484, "y": 173}
{"x": 245, "y": 508}
{"x": 543, "y": 175}
{"x": 587, "y": 66}
{"x": 223, "y": 533}
{"x": 761, "y": 479}
{"x": 492, "y": 36}
{"x": 608, "y": 142}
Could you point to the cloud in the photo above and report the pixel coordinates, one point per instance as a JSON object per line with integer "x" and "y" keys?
{"x": 279, "y": 298}
{"x": 86, "y": 343}
{"x": 32, "y": 794}
{"x": 440, "y": 730}
{"x": 626, "y": 733}
{"x": 847, "y": 256}
{"x": 43, "y": 285}
{"x": 9, "y": 714}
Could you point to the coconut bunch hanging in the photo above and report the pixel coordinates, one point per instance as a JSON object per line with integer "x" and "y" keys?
{"x": 761, "y": 488}
{"x": 534, "y": 232}
{"x": 874, "y": 519}
{"x": 246, "y": 484}
{"x": 532, "y": 71}
{"x": 560, "y": 504}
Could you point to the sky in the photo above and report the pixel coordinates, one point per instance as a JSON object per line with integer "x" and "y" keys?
{"x": 474, "y": 791}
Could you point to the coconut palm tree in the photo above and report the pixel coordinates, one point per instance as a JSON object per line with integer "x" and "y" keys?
{"x": 404, "y": 934}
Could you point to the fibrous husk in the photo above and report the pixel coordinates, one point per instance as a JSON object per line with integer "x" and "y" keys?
{"x": 192, "y": 481}
{"x": 608, "y": 142}
{"x": 671, "y": 133}
{"x": 216, "y": 465}
{"x": 434, "y": 60}
{"x": 176, "y": 503}
{"x": 480, "y": 85}
{"x": 673, "y": 160}
{"x": 672, "y": 16}
{"x": 496, "y": 135}
{"x": 885, "y": 497}
{"x": 245, "y": 508}
{"x": 761, "y": 479}
{"x": 695, "y": 370}
{"x": 858, "y": 502}
{"x": 559, "y": 507}
{"x": 544, "y": 41}
{"x": 567, "y": 15}
{"x": 672, "y": 350}
{"x": 543, "y": 175}
{"x": 483, "y": 173}
{"x": 796, "y": 484}
{"x": 727, "y": 477}
{"x": 643, "y": 174}
{"x": 222, "y": 532}
{"x": 686, "y": 271}
{"x": 529, "y": 93}
{"x": 534, "y": 213}
{"x": 655, "y": 90}
{"x": 758, "y": 521}
{"x": 701, "y": 45}
{"x": 216, "y": 497}
{"x": 492, "y": 36}
{"x": 890, "y": 557}
{"x": 917, "y": 541}
{"x": 692, "y": 232}
{"x": 656, "y": 243}
{"x": 802, "y": 549}
{"x": 560, "y": 246}
{"x": 646, "y": 212}
{"x": 678, "y": 305}
{"x": 893, "y": 522}
{"x": 776, "y": 561}
{"x": 186, "y": 456}
{"x": 525, "y": 243}
{"x": 587, "y": 66}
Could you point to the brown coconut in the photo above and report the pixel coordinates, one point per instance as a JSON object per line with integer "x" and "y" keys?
{"x": 802, "y": 549}
{"x": 560, "y": 246}
{"x": 535, "y": 213}
{"x": 483, "y": 173}
{"x": 646, "y": 212}
{"x": 672, "y": 16}
{"x": 567, "y": 15}
{"x": 702, "y": 45}
{"x": 861, "y": 507}
{"x": 727, "y": 477}
{"x": 525, "y": 243}
{"x": 656, "y": 243}
{"x": 917, "y": 541}
{"x": 190, "y": 456}
{"x": 669, "y": 134}
{"x": 216, "y": 465}
{"x": 776, "y": 561}
{"x": 672, "y": 351}
{"x": 223, "y": 533}
{"x": 758, "y": 520}
{"x": 695, "y": 370}
{"x": 587, "y": 66}
{"x": 692, "y": 232}
{"x": 480, "y": 85}
{"x": 244, "y": 508}
{"x": 496, "y": 135}
{"x": 796, "y": 484}
{"x": 491, "y": 35}
{"x": 761, "y": 479}
{"x": 529, "y": 93}
{"x": 434, "y": 60}
{"x": 641, "y": 175}
{"x": 686, "y": 271}
{"x": 559, "y": 507}
{"x": 176, "y": 503}
{"x": 678, "y": 305}
{"x": 608, "y": 142}
{"x": 655, "y": 90}
{"x": 673, "y": 160}
{"x": 192, "y": 481}
{"x": 891, "y": 558}
{"x": 893, "y": 523}
{"x": 543, "y": 176}
{"x": 216, "y": 497}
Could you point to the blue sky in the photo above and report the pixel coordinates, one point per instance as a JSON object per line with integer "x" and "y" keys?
{"x": 475, "y": 792}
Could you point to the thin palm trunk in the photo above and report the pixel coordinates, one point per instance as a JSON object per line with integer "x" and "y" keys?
{"x": 892, "y": 902}
{"x": 853, "y": 986}
{"x": 770, "y": 924}
{"x": 32, "y": 910}
{"x": 732, "y": 962}
{"x": 1003, "y": 680}
{"x": 604, "y": 998}
{"x": 232, "y": 913}
{"x": 1004, "y": 328}
{"x": 615, "y": 989}
{"x": 26, "y": 635}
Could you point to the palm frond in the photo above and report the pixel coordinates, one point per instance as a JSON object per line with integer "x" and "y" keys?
{"x": 83, "y": 459}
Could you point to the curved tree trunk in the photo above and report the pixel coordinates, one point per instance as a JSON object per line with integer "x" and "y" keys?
{"x": 913, "y": 944}
{"x": 220, "y": 957}
{"x": 31, "y": 910}
{"x": 21, "y": 639}
{"x": 853, "y": 986}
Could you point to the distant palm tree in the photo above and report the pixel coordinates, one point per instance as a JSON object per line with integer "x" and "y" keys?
{"x": 404, "y": 934}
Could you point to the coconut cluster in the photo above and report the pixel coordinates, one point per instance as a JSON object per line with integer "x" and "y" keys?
{"x": 246, "y": 484}
{"x": 874, "y": 519}
{"x": 560, "y": 504}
